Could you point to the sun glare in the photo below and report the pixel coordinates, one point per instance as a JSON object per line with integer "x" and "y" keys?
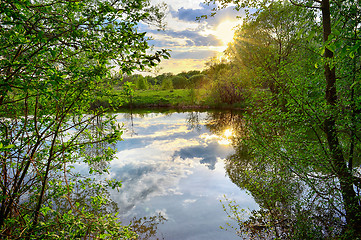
{"x": 226, "y": 138}
{"x": 225, "y": 31}
{"x": 223, "y": 139}
{"x": 228, "y": 133}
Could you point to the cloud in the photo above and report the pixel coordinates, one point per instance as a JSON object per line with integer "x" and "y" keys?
{"x": 185, "y": 38}
{"x": 209, "y": 154}
{"x": 193, "y": 4}
{"x": 184, "y": 35}
{"x": 196, "y": 39}
{"x": 179, "y": 65}
{"x": 183, "y": 29}
{"x": 194, "y": 54}
{"x": 199, "y": 35}
{"x": 191, "y": 15}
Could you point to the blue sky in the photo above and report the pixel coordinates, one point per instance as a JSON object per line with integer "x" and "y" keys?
{"x": 192, "y": 43}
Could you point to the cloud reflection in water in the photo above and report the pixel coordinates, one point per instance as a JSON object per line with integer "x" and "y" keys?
{"x": 171, "y": 168}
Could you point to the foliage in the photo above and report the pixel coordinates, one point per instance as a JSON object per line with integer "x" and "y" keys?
{"x": 159, "y": 79}
{"x": 179, "y": 82}
{"x": 197, "y": 81}
{"x": 189, "y": 74}
{"x": 147, "y": 227}
{"x": 183, "y": 80}
{"x": 54, "y": 63}
{"x": 267, "y": 43}
{"x": 142, "y": 83}
{"x": 167, "y": 84}
{"x": 225, "y": 83}
{"x": 301, "y": 156}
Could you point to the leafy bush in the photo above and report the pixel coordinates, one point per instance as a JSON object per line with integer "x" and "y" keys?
{"x": 167, "y": 84}
{"x": 179, "y": 82}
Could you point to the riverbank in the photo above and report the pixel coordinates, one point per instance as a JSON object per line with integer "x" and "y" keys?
{"x": 176, "y": 99}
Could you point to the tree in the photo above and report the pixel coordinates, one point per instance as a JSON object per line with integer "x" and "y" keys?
{"x": 197, "y": 81}
{"x": 189, "y": 74}
{"x": 167, "y": 84}
{"x": 142, "y": 83}
{"x": 316, "y": 132}
{"x": 179, "y": 82}
{"x": 267, "y": 42}
{"x": 160, "y": 78}
{"x": 55, "y": 60}
{"x": 226, "y": 82}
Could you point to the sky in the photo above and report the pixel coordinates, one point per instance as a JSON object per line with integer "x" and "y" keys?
{"x": 192, "y": 43}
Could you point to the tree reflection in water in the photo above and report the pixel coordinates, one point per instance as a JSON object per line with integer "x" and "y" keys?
{"x": 273, "y": 188}
{"x": 144, "y": 227}
{"x": 98, "y": 150}
{"x": 193, "y": 121}
{"x": 221, "y": 121}
{"x": 289, "y": 207}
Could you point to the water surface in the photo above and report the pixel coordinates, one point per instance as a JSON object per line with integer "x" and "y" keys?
{"x": 174, "y": 165}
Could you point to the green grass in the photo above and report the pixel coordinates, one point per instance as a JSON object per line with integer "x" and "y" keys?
{"x": 168, "y": 98}
{"x": 177, "y": 98}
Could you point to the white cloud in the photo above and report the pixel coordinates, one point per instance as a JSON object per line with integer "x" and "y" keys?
{"x": 183, "y": 32}
{"x": 176, "y": 4}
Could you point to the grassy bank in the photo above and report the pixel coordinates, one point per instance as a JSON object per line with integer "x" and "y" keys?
{"x": 173, "y": 98}
{"x": 177, "y": 98}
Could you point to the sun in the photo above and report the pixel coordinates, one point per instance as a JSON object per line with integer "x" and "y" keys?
{"x": 225, "y": 31}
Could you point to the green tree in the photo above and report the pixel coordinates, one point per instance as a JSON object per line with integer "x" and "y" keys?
{"x": 189, "y": 74}
{"x": 55, "y": 60}
{"x": 167, "y": 84}
{"x": 226, "y": 82}
{"x": 179, "y": 82}
{"x": 315, "y": 133}
{"x": 159, "y": 79}
{"x": 142, "y": 83}
{"x": 197, "y": 81}
{"x": 267, "y": 44}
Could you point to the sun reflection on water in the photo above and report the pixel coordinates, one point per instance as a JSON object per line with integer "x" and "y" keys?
{"x": 178, "y": 170}
{"x": 224, "y": 139}
{"x": 228, "y": 133}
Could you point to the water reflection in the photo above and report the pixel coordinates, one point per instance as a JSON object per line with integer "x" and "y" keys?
{"x": 273, "y": 188}
{"x": 289, "y": 207}
{"x": 146, "y": 227}
{"x": 230, "y": 123}
{"x": 98, "y": 149}
{"x": 208, "y": 154}
{"x": 175, "y": 166}
{"x": 193, "y": 119}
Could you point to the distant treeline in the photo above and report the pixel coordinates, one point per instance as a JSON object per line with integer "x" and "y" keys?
{"x": 166, "y": 81}
{"x": 220, "y": 80}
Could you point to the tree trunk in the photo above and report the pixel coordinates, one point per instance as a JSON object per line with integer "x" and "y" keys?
{"x": 352, "y": 208}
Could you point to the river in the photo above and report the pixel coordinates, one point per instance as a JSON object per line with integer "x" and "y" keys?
{"x": 173, "y": 164}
